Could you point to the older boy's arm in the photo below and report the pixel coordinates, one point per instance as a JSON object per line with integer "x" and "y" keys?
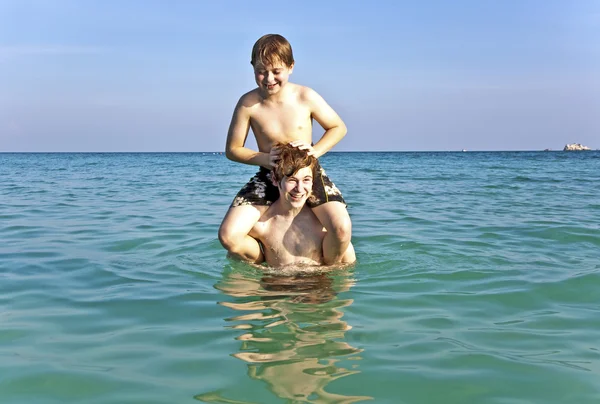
{"x": 335, "y": 129}
{"x": 236, "y": 139}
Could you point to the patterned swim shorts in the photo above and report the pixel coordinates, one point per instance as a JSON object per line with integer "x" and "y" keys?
{"x": 261, "y": 191}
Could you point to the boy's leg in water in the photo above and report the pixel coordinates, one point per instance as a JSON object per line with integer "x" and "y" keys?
{"x": 349, "y": 256}
{"x": 234, "y": 230}
{"x": 336, "y": 220}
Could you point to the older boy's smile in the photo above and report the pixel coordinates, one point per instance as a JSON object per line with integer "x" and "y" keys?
{"x": 296, "y": 197}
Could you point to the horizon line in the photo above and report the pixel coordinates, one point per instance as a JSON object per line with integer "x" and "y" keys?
{"x": 329, "y": 152}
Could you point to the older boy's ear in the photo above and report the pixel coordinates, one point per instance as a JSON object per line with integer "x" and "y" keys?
{"x": 291, "y": 68}
{"x": 273, "y": 180}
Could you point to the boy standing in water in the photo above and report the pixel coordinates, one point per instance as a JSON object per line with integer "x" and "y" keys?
{"x": 289, "y": 231}
{"x": 278, "y": 111}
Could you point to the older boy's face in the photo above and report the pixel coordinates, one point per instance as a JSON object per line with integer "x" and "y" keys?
{"x": 271, "y": 78}
{"x": 296, "y": 188}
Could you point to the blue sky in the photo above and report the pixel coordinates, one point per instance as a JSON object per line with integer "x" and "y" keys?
{"x": 108, "y": 75}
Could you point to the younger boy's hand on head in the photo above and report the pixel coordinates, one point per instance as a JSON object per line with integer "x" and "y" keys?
{"x": 303, "y": 146}
{"x": 274, "y": 156}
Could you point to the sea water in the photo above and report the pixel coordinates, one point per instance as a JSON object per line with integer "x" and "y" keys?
{"x": 477, "y": 281}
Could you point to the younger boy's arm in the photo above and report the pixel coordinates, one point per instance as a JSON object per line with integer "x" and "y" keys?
{"x": 236, "y": 139}
{"x": 335, "y": 129}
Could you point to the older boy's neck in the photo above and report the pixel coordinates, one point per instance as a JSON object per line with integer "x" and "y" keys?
{"x": 287, "y": 211}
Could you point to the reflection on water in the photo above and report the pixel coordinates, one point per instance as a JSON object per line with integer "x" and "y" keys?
{"x": 291, "y": 332}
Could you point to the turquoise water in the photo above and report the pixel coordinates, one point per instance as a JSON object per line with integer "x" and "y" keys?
{"x": 477, "y": 281}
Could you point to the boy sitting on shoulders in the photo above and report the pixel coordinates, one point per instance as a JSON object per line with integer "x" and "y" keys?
{"x": 278, "y": 111}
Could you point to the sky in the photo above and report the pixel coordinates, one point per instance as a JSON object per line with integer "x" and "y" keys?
{"x": 149, "y": 75}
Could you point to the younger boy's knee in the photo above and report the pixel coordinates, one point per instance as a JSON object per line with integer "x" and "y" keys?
{"x": 342, "y": 229}
{"x": 228, "y": 238}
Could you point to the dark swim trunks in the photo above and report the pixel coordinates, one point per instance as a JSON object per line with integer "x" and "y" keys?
{"x": 261, "y": 191}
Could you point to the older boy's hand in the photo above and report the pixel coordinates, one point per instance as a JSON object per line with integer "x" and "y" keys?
{"x": 274, "y": 156}
{"x": 303, "y": 146}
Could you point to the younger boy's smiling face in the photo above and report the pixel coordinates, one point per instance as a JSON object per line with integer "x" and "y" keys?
{"x": 272, "y": 78}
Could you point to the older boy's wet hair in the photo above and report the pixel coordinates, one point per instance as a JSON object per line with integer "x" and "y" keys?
{"x": 292, "y": 159}
{"x": 272, "y": 49}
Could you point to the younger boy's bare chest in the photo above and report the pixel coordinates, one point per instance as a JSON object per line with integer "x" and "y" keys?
{"x": 282, "y": 122}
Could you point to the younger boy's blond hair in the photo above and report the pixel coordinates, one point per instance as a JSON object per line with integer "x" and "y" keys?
{"x": 272, "y": 49}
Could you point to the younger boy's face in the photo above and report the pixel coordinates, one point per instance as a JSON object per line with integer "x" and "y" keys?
{"x": 271, "y": 78}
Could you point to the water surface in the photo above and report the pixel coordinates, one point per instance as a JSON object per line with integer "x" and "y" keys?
{"x": 477, "y": 281}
